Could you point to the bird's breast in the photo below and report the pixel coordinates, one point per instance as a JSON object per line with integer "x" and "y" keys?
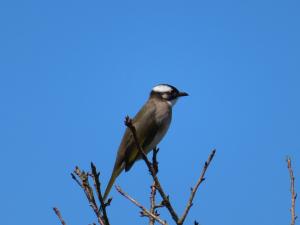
{"x": 163, "y": 118}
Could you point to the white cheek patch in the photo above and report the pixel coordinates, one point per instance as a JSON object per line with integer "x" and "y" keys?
{"x": 165, "y": 96}
{"x": 162, "y": 88}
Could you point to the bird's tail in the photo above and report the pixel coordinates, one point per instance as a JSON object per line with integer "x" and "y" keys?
{"x": 116, "y": 172}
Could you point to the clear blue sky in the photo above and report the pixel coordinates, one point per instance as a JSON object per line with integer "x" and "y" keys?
{"x": 71, "y": 70}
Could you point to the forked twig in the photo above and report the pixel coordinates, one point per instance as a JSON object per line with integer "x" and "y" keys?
{"x": 153, "y": 168}
{"x": 82, "y": 179}
{"x": 144, "y": 211}
{"x": 194, "y": 190}
{"x": 128, "y": 123}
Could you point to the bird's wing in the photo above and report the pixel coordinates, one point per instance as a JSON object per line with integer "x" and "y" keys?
{"x": 146, "y": 129}
{"x": 127, "y": 154}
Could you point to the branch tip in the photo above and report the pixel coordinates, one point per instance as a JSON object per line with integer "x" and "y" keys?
{"x": 58, "y": 214}
{"x": 292, "y": 190}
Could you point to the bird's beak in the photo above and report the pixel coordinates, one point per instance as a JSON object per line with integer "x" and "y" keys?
{"x": 181, "y": 94}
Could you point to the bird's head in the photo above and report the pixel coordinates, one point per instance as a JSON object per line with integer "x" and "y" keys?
{"x": 168, "y": 93}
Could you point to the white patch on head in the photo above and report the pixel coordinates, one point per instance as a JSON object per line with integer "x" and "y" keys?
{"x": 162, "y": 88}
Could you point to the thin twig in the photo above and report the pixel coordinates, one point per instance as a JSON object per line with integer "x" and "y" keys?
{"x": 194, "y": 190}
{"x": 76, "y": 180}
{"x": 99, "y": 194}
{"x": 153, "y": 186}
{"x": 292, "y": 189}
{"x": 152, "y": 203}
{"x": 160, "y": 205}
{"x": 87, "y": 188}
{"x": 145, "y": 212}
{"x": 57, "y": 212}
{"x": 128, "y": 123}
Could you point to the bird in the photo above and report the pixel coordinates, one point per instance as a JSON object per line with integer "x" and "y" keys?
{"x": 151, "y": 124}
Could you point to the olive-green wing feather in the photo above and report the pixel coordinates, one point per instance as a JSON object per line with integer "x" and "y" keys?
{"x": 146, "y": 128}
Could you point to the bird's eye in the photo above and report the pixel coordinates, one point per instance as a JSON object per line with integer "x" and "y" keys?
{"x": 170, "y": 95}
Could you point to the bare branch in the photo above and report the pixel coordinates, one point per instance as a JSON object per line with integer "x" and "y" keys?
{"x": 145, "y": 212}
{"x": 76, "y": 180}
{"x": 152, "y": 203}
{"x": 128, "y": 123}
{"x": 57, "y": 212}
{"x": 88, "y": 190}
{"x": 292, "y": 189}
{"x": 194, "y": 190}
{"x": 97, "y": 185}
{"x": 153, "y": 187}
